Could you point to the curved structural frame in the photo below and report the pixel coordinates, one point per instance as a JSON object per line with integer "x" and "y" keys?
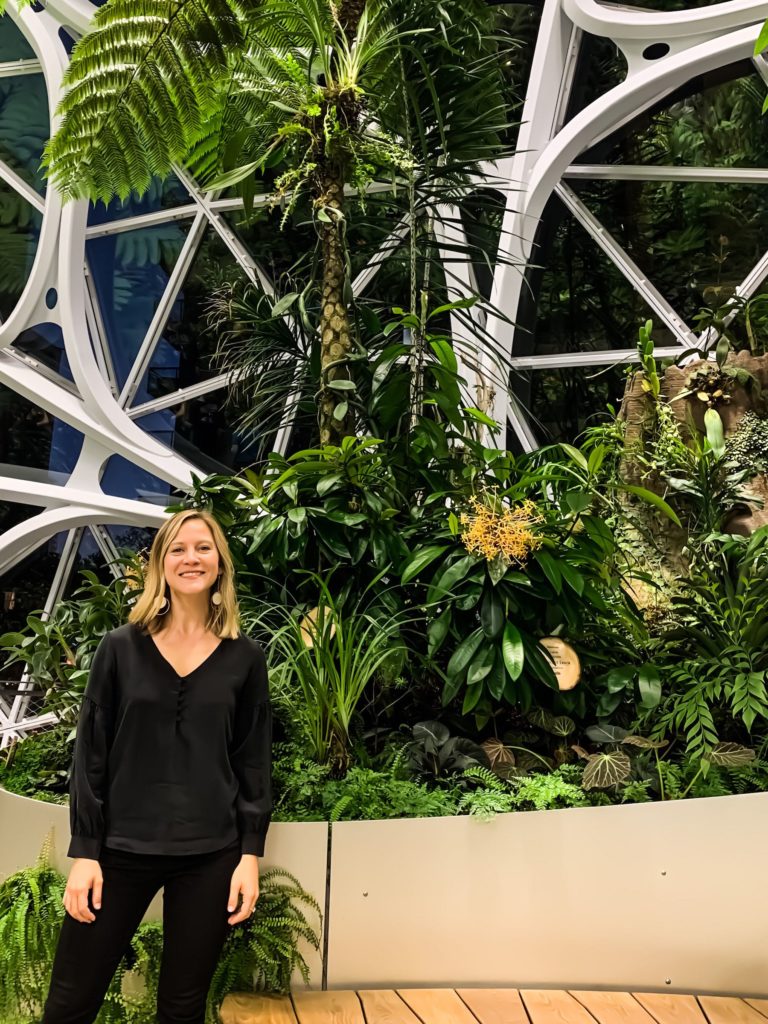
{"x": 691, "y": 41}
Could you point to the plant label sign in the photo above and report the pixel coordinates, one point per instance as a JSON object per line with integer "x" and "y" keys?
{"x": 566, "y": 664}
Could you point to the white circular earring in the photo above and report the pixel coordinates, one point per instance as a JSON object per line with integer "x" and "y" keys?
{"x": 216, "y": 595}
{"x": 162, "y": 606}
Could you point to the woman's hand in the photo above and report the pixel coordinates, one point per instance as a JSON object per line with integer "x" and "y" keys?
{"x": 245, "y": 880}
{"x": 85, "y": 874}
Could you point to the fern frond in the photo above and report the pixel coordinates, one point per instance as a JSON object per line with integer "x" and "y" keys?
{"x": 139, "y": 87}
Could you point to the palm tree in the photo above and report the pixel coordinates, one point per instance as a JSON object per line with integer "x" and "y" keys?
{"x": 314, "y": 96}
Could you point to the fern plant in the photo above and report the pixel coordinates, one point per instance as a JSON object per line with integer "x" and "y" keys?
{"x": 30, "y": 916}
{"x": 263, "y": 954}
{"x": 258, "y": 955}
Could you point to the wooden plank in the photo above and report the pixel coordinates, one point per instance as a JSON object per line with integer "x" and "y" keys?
{"x": 494, "y": 1005}
{"x": 669, "y": 1009}
{"x": 382, "y": 1006}
{"x": 437, "y": 1005}
{"x": 761, "y": 1005}
{"x": 613, "y": 1007}
{"x": 552, "y": 1007}
{"x": 256, "y": 1008}
{"x": 728, "y": 1010}
{"x": 336, "y": 1006}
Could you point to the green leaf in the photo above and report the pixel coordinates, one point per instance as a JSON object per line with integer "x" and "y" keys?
{"x": 445, "y": 354}
{"x": 481, "y": 417}
{"x": 284, "y": 304}
{"x": 341, "y": 411}
{"x": 575, "y": 455}
{"x": 471, "y": 697}
{"x": 653, "y": 499}
{"x": 420, "y": 560}
{"x": 327, "y": 483}
{"x": 608, "y": 769}
{"x": 762, "y": 41}
{"x": 481, "y": 665}
{"x": 551, "y": 570}
{"x": 491, "y": 613}
{"x": 649, "y": 684}
{"x": 464, "y": 653}
{"x": 445, "y": 582}
{"x": 513, "y": 651}
{"x": 341, "y": 385}
{"x": 235, "y": 176}
{"x": 730, "y": 755}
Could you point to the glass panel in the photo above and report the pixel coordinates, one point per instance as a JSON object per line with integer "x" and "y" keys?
{"x": 600, "y": 66}
{"x": 583, "y": 303}
{"x": 696, "y": 241}
{"x": 31, "y": 438}
{"x": 200, "y": 430}
{"x": 24, "y": 126}
{"x": 184, "y": 354}
{"x": 130, "y": 272}
{"x": 19, "y": 235}
{"x": 162, "y": 194}
{"x": 561, "y": 403}
{"x": 25, "y": 587}
{"x": 45, "y": 343}
{"x": 135, "y": 538}
{"x": 124, "y": 479}
{"x": 89, "y": 558}
{"x": 13, "y": 45}
{"x": 715, "y": 120}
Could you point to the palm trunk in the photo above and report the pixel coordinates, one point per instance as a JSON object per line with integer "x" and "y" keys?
{"x": 335, "y": 328}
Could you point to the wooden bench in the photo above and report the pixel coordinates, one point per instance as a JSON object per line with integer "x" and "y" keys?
{"x": 488, "y": 1006}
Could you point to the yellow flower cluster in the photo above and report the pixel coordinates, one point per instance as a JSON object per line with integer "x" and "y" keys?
{"x": 508, "y": 532}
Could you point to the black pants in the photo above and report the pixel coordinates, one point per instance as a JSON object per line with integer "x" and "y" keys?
{"x": 196, "y": 888}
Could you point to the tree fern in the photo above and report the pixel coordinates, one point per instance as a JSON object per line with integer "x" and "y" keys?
{"x": 139, "y": 86}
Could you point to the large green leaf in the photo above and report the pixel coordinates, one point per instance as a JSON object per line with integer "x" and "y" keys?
{"x": 513, "y": 651}
{"x": 652, "y": 499}
{"x": 608, "y": 769}
{"x": 464, "y": 653}
{"x": 421, "y": 559}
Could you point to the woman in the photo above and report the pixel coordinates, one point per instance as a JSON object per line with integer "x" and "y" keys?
{"x": 171, "y": 782}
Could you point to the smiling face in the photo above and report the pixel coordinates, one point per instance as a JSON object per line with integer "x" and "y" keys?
{"x": 191, "y": 563}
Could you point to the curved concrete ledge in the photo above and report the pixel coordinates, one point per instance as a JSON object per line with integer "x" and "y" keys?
{"x": 665, "y": 897}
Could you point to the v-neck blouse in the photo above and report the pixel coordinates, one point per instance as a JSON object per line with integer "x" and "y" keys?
{"x": 164, "y": 763}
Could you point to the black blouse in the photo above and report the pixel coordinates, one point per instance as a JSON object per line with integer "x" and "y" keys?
{"x": 165, "y": 763}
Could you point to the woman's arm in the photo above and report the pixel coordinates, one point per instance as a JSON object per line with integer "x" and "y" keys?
{"x": 88, "y": 783}
{"x": 251, "y": 758}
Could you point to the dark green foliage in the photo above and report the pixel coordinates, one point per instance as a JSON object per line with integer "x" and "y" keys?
{"x": 38, "y": 765}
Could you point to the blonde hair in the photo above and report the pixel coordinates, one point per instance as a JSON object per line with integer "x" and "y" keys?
{"x": 223, "y": 619}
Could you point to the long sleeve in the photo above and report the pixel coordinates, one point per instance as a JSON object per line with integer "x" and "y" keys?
{"x": 251, "y": 758}
{"x": 88, "y": 783}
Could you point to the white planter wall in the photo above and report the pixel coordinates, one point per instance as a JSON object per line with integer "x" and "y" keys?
{"x": 664, "y": 897}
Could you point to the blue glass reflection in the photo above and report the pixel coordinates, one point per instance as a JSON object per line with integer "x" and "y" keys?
{"x": 24, "y": 126}
{"x": 31, "y": 437}
{"x": 45, "y": 343}
{"x": 130, "y": 271}
{"x": 162, "y": 194}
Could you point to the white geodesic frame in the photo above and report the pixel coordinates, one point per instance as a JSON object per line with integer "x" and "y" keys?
{"x": 698, "y": 40}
